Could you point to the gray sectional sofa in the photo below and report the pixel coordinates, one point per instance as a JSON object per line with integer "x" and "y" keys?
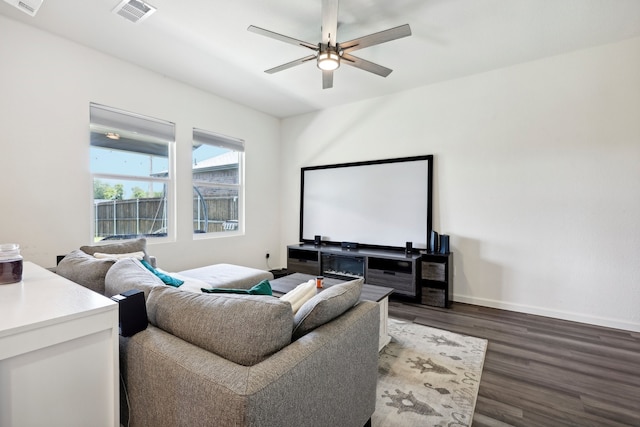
{"x": 245, "y": 360}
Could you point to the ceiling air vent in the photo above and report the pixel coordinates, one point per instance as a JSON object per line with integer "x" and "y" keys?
{"x": 134, "y": 10}
{"x": 27, "y": 6}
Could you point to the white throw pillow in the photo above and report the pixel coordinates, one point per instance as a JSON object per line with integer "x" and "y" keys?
{"x": 300, "y": 294}
{"x": 137, "y": 255}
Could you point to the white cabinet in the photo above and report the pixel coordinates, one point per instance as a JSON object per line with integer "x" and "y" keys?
{"x": 58, "y": 353}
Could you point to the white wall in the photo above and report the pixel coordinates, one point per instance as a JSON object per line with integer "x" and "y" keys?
{"x": 46, "y": 85}
{"x": 537, "y": 177}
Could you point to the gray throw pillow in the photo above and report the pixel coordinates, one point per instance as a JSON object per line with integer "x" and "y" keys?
{"x": 127, "y": 274}
{"x": 85, "y": 270}
{"x": 244, "y": 329}
{"x": 326, "y": 306}
{"x": 125, "y": 247}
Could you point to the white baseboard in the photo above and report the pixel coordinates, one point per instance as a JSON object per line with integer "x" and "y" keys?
{"x": 556, "y": 314}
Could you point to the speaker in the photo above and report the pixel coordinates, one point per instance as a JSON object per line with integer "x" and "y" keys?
{"x": 444, "y": 244}
{"x": 433, "y": 242}
{"x": 317, "y": 240}
{"x": 409, "y": 248}
{"x": 132, "y": 312}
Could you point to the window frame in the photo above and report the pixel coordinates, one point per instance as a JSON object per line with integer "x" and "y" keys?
{"x": 159, "y": 133}
{"x": 237, "y": 145}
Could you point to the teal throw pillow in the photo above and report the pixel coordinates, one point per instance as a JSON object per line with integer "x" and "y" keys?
{"x": 166, "y": 279}
{"x": 262, "y": 288}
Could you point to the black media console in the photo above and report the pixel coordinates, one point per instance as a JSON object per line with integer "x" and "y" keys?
{"x": 427, "y": 278}
{"x": 392, "y": 269}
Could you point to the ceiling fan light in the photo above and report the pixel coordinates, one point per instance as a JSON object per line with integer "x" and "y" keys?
{"x": 328, "y": 61}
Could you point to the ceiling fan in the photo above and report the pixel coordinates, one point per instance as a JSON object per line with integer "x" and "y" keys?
{"x": 329, "y": 54}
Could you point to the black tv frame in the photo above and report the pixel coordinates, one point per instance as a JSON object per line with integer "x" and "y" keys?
{"x": 365, "y": 245}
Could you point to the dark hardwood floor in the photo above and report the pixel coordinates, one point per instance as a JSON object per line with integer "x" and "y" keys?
{"x": 540, "y": 371}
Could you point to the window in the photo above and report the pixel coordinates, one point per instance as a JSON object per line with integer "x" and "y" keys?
{"x": 217, "y": 174}
{"x": 131, "y": 168}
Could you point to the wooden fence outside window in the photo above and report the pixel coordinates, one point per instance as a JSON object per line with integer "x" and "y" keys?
{"x": 149, "y": 216}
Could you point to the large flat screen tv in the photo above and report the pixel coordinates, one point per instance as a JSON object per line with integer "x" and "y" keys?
{"x": 376, "y": 204}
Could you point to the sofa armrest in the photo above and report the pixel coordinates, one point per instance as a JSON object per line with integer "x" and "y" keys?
{"x": 327, "y": 377}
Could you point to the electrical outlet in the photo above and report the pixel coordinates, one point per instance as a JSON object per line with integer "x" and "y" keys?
{"x": 267, "y": 255}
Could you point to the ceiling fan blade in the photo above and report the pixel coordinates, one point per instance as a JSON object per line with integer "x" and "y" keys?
{"x": 282, "y": 38}
{"x": 365, "y": 65}
{"x": 376, "y": 38}
{"x": 290, "y": 64}
{"x": 329, "y": 21}
{"x": 327, "y": 79}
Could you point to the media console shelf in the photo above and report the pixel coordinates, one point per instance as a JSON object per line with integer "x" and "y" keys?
{"x": 436, "y": 279}
{"x": 391, "y": 269}
{"x": 303, "y": 260}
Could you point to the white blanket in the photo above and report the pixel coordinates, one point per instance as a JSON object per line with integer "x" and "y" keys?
{"x": 300, "y": 294}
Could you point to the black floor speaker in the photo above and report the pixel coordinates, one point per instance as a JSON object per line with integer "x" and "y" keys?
{"x": 433, "y": 242}
{"x": 132, "y": 312}
{"x": 444, "y": 244}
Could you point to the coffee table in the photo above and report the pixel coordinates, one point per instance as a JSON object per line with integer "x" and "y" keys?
{"x": 378, "y": 294}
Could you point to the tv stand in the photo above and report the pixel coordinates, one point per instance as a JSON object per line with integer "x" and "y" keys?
{"x": 378, "y": 267}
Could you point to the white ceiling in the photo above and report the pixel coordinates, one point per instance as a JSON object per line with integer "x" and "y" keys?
{"x": 205, "y": 43}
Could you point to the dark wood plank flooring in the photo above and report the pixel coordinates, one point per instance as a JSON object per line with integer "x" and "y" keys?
{"x": 540, "y": 371}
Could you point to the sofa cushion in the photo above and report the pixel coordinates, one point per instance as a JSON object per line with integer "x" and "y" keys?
{"x": 228, "y": 275}
{"x": 189, "y": 284}
{"x": 325, "y": 306}
{"x": 85, "y": 270}
{"x": 244, "y": 329}
{"x": 128, "y": 274}
{"x": 125, "y": 247}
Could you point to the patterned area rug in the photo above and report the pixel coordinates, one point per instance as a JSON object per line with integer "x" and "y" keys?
{"x": 428, "y": 377}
